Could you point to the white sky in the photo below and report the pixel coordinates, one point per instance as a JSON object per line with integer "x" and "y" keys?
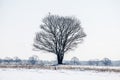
{"x": 20, "y": 20}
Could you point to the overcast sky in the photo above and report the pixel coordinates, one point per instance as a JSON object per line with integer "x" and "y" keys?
{"x": 20, "y": 20}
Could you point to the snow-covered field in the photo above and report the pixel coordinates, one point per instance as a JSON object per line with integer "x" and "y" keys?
{"x": 38, "y": 74}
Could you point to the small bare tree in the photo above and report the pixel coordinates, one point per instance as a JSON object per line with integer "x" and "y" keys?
{"x": 58, "y": 35}
{"x": 75, "y": 61}
{"x": 106, "y": 61}
{"x": 17, "y": 60}
{"x": 33, "y": 59}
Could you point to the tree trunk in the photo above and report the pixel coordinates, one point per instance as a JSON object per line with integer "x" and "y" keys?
{"x": 59, "y": 59}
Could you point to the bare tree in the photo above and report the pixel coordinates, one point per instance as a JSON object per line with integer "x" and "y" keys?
{"x": 33, "y": 59}
{"x": 8, "y": 60}
{"x": 75, "y": 61}
{"x": 58, "y": 35}
{"x": 17, "y": 60}
{"x": 106, "y": 61}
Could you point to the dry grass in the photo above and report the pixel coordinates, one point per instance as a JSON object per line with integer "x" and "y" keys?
{"x": 66, "y": 67}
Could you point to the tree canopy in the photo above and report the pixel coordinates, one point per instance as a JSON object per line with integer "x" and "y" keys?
{"x": 58, "y": 35}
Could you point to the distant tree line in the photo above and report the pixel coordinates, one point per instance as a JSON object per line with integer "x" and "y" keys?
{"x": 97, "y": 62}
{"x": 34, "y": 60}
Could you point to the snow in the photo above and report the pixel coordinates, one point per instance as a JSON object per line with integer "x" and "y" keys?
{"x": 39, "y": 74}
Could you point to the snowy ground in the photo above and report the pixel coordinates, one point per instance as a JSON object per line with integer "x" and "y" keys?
{"x": 38, "y": 74}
